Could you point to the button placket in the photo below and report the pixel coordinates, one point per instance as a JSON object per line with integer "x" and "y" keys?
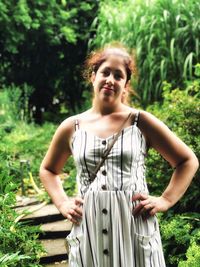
{"x": 104, "y": 178}
{"x": 105, "y": 144}
{"x": 104, "y": 173}
{"x": 104, "y": 230}
{"x": 104, "y": 210}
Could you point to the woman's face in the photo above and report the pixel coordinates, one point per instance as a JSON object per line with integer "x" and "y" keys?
{"x": 109, "y": 81}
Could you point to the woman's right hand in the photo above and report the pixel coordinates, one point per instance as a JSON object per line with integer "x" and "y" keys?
{"x": 72, "y": 209}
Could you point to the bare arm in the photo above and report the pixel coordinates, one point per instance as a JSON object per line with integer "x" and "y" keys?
{"x": 52, "y": 164}
{"x": 180, "y": 157}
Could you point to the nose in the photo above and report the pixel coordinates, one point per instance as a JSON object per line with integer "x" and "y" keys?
{"x": 110, "y": 79}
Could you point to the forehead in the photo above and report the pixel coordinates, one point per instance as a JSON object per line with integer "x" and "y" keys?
{"x": 114, "y": 62}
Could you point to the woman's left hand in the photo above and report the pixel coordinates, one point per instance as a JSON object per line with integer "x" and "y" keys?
{"x": 149, "y": 205}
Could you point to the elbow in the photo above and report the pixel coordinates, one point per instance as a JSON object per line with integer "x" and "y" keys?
{"x": 45, "y": 172}
{"x": 41, "y": 172}
{"x": 191, "y": 162}
{"x": 195, "y": 163}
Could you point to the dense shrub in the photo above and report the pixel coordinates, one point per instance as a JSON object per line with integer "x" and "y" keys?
{"x": 180, "y": 110}
{"x": 16, "y": 102}
{"x": 193, "y": 256}
{"x": 19, "y": 140}
{"x": 43, "y": 44}
{"x": 19, "y": 246}
{"x": 179, "y": 235}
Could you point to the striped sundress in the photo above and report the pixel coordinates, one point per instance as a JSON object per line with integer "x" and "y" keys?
{"x": 108, "y": 234}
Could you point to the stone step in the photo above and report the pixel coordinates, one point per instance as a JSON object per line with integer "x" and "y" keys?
{"x": 40, "y": 213}
{"x": 57, "y": 264}
{"x": 55, "y": 229}
{"x": 56, "y": 250}
{"x": 23, "y": 201}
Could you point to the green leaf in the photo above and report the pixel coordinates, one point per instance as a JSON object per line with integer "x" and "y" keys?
{"x": 69, "y": 34}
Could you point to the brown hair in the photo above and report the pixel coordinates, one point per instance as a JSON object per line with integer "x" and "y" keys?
{"x": 96, "y": 58}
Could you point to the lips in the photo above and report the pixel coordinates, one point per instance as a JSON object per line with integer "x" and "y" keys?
{"x": 108, "y": 88}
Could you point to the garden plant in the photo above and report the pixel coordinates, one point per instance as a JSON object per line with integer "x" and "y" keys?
{"x": 163, "y": 36}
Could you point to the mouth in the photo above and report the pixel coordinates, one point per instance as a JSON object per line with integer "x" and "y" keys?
{"x": 107, "y": 88}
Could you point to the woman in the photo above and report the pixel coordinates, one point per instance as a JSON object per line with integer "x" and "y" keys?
{"x": 114, "y": 217}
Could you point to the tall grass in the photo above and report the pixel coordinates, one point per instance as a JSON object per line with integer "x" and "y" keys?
{"x": 165, "y": 34}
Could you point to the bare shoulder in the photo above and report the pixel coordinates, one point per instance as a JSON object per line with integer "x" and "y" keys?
{"x": 161, "y": 138}
{"x": 67, "y": 127}
{"x": 65, "y": 130}
{"x": 152, "y": 127}
{"x": 149, "y": 119}
{"x": 68, "y": 124}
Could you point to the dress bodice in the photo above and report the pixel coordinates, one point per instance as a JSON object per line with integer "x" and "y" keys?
{"x": 124, "y": 168}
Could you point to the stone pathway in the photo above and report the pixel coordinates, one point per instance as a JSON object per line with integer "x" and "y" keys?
{"x": 54, "y": 228}
{"x": 60, "y": 264}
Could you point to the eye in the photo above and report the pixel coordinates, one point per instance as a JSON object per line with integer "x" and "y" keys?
{"x": 105, "y": 73}
{"x": 118, "y": 76}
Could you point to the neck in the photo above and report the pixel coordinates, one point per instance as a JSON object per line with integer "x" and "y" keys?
{"x": 106, "y": 108}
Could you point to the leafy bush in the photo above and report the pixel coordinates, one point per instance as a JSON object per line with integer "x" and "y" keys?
{"x": 23, "y": 146}
{"x": 19, "y": 246}
{"x": 70, "y": 183}
{"x": 16, "y": 102}
{"x": 179, "y": 233}
{"x": 44, "y": 43}
{"x": 180, "y": 110}
{"x": 19, "y": 140}
{"x": 193, "y": 256}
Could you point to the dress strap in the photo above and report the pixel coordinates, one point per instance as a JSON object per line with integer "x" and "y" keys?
{"x": 76, "y": 125}
{"x": 136, "y": 118}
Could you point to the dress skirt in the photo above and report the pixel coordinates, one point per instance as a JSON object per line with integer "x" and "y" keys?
{"x": 110, "y": 236}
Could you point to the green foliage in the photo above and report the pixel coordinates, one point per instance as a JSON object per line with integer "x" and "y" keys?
{"x": 57, "y": 21}
{"x": 19, "y": 246}
{"x": 29, "y": 142}
{"x": 180, "y": 235}
{"x": 70, "y": 183}
{"x": 20, "y": 141}
{"x": 180, "y": 111}
{"x": 16, "y": 102}
{"x": 43, "y": 44}
{"x": 12, "y": 259}
{"x": 193, "y": 256}
{"x": 165, "y": 34}
{"x": 87, "y": 96}
{"x": 179, "y": 226}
